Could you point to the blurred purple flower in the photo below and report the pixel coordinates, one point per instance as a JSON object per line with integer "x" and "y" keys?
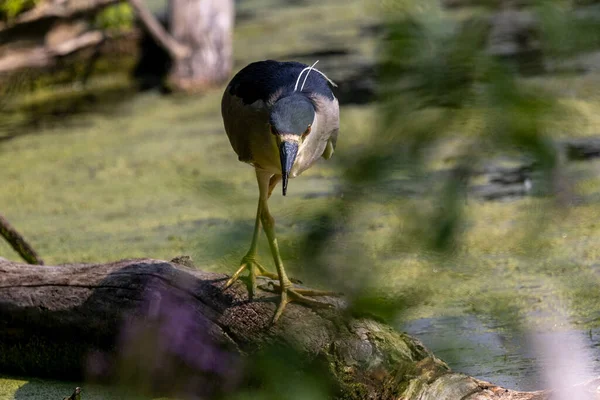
{"x": 169, "y": 346}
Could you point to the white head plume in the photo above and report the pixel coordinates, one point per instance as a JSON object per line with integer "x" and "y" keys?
{"x": 311, "y": 68}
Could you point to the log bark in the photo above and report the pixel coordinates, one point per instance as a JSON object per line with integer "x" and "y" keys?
{"x": 75, "y": 321}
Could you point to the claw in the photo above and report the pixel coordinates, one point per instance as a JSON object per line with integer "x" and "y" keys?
{"x": 255, "y": 268}
{"x": 276, "y": 288}
{"x": 236, "y": 275}
{"x": 289, "y": 295}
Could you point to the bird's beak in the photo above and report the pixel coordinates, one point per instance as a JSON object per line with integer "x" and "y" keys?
{"x": 288, "y": 149}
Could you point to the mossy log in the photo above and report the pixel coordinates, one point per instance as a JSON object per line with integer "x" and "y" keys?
{"x": 73, "y": 321}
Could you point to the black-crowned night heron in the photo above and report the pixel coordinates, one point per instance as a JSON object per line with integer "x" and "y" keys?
{"x": 280, "y": 117}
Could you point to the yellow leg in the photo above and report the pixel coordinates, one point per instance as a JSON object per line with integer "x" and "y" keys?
{"x": 288, "y": 293}
{"x": 249, "y": 261}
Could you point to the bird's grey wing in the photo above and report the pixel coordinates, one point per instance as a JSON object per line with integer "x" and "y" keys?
{"x": 329, "y": 117}
{"x": 330, "y": 147}
{"x": 322, "y": 138}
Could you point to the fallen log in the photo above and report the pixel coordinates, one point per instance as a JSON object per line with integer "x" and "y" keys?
{"x": 90, "y": 321}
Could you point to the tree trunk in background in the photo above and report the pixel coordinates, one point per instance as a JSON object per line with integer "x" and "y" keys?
{"x": 205, "y": 27}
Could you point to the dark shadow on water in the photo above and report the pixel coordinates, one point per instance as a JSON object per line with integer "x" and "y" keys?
{"x": 60, "y": 111}
{"x": 153, "y": 63}
{"x": 330, "y": 52}
{"x": 359, "y": 87}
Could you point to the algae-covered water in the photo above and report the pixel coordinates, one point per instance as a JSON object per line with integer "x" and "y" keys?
{"x": 146, "y": 175}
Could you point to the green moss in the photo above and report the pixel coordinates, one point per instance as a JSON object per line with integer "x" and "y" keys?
{"x": 352, "y": 389}
{"x": 118, "y": 17}
{"x": 396, "y": 363}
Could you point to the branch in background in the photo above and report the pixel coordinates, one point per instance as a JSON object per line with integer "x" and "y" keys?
{"x": 18, "y": 243}
{"x": 33, "y": 58}
{"x": 43, "y": 56}
{"x": 57, "y": 9}
{"x": 88, "y": 39}
{"x": 162, "y": 37}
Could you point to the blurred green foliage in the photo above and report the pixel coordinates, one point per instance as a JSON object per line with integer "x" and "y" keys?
{"x": 117, "y": 17}
{"x": 440, "y": 84}
{"x": 565, "y": 32}
{"x": 279, "y": 372}
{"x": 9, "y": 9}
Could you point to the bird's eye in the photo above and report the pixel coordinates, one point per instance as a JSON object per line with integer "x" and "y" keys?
{"x": 306, "y": 132}
{"x": 273, "y": 131}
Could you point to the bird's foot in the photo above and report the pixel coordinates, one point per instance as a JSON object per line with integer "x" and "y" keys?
{"x": 255, "y": 268}
{"x": 299, "y": 295}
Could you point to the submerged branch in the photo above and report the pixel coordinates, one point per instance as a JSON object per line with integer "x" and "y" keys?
{"x": 16, "y": 240}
